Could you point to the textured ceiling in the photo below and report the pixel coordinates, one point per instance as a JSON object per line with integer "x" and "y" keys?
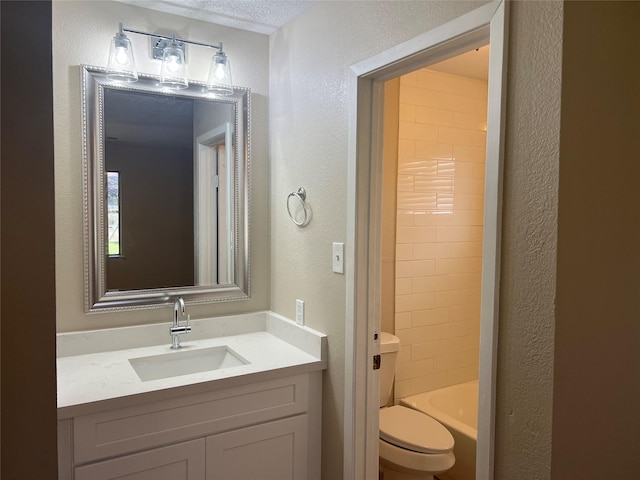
{"x": 261, "y": 16}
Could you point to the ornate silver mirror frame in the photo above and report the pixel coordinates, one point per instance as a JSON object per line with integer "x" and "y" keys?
{"x": 97, "y": 296}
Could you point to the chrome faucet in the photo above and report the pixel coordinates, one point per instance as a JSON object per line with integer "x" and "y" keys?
{"x": 177, "y": 329}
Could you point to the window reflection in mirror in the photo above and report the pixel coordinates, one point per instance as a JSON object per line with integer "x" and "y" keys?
{"x": 113, "y": 214}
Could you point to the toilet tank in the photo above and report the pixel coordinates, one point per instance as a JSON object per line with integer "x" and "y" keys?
{"x": 389, "y": 347}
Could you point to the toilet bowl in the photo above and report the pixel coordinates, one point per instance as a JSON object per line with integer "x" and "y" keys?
{"x": 412, "y": 445}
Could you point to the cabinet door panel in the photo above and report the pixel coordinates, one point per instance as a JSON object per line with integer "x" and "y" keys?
{"x": 184, "y": 461}
{"x": 271, "y": 451}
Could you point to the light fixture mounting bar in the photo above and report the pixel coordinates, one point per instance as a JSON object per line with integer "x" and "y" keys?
{"x": 158, "y": 44}
{"x": 165, "y": 37}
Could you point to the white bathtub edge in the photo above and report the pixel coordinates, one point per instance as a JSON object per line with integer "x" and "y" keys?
{"x": 421, "y": 402}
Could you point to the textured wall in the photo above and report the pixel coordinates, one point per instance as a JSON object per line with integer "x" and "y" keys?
{"x": 527, "y": 291}
{"x": 441, "y": 165}
{"x": 597, "y": 347}
{"x": 81, "y": 35}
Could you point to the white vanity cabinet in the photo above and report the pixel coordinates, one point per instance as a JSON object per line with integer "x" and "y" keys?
{"x": 266, "y": 430}
{"x": 183, "y": 461}
{"x": 272, "y": 451}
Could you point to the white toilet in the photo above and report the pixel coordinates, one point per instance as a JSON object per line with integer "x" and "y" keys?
{"x": 412, "y": 445}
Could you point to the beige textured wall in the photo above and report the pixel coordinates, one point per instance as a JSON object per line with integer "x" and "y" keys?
{"x": 441, "y": 165}
{"x": 81, "y": 34}
{"x": 528, "y": 274}
{"x": 597, "y": 348}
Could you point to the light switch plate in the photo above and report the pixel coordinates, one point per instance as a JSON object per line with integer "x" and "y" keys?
{"x": 338, "y": 257}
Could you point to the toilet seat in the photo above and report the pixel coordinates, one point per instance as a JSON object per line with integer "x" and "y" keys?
{"x": 404, "y": 460}
{"x": 415, "y": 431}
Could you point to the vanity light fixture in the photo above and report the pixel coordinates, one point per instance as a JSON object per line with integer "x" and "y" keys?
{"x": 121, "y": 65}
{"x": 171, "y": 51}
{"x": 173, "y": 73}
{"x": 219, "y": 80}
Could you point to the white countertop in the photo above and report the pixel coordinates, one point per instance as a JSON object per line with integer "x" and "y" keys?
{"x": 94, "y": 375}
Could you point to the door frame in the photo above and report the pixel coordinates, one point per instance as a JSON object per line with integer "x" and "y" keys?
{"x": 210, "y": 211}
{"x": 486, "y": 24}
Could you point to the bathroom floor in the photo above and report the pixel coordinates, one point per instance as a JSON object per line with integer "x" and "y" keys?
{"x": 381, "y": 476}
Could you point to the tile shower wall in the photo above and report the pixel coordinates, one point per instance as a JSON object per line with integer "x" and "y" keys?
{"x": 440, "y": 198}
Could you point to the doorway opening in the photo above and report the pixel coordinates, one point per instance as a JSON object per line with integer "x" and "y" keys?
{"x": 434, "y": 144}
{"x": 483, "y": 26}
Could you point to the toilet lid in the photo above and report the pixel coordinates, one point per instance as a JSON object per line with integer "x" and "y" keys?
{"x": 412, "y": 430}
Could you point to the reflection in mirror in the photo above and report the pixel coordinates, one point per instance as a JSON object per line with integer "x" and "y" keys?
{"x": 165, "y": 193}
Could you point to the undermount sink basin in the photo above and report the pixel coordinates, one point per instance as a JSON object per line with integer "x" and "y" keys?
{"x": 185, "y": 362}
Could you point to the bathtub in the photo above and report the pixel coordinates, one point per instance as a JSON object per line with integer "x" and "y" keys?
{"x": 456, "y": 407}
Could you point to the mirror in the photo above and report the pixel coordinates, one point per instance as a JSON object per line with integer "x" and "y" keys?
{"x": 166, "y": 193}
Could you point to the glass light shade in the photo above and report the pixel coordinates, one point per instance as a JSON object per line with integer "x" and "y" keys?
{"x": 219, "y": 81}
{"x": 121, "y": 65}
{"x": 173, "y": 72}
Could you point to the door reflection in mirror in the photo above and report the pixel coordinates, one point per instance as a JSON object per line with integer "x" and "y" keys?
{"x": 215, "y": 222}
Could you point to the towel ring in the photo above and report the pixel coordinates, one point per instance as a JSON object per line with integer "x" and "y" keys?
{"x": 301, "y": 195}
